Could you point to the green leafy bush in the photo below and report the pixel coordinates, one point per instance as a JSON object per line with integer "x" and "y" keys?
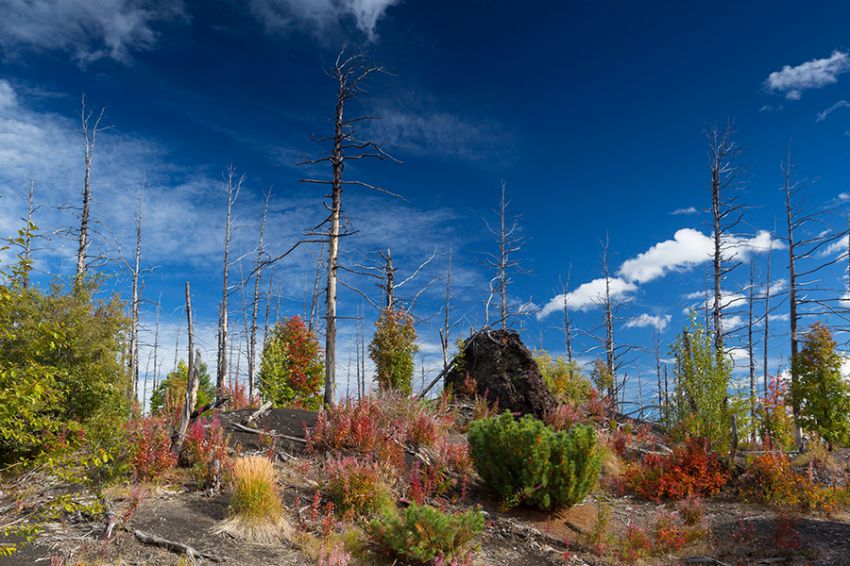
{"x": 59, "y": 366}
{"x": 564, "y": 378}
{"x": 525, "y": 461}
{"x": 392, "y": 350}
{"x": 423, "y": 534}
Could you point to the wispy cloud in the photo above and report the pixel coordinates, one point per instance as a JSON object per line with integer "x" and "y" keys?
{"x": 684, "y": 211}
{"x": 814, "y": 74}
{"x": 646, "y": 320}
{"x": 418, "y": 127}
{"x": 89, "y": 29}
{"x": 825, "y": 114}
{"x": 321, "y": 16}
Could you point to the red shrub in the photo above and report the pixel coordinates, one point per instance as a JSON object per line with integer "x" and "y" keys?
{"x": 786, "y": 537}
{"x": 357, "y": 487}
{"x": 150, "y": 448}
{"x": 206, "y": 444}
{"x": 689, "y": 471}
{"x": 564, "y": 417}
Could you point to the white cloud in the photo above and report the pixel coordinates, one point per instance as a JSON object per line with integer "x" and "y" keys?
{"x": 89, "y": 29}
{"x": 817, "y": 73}
{"x": 825, "y": 114}
{"x": 587, "y": 296}
{"x": 690, "y": 248}
{"x": 684, "y": 211}
{"x": 320, "y": 15}
{"x": 645, "y": 320}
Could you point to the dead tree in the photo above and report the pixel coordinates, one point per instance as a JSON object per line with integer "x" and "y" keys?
{"x": 136, "y": 299}
{"x": 568, "y": 333}
{"x": 192, "y": 376}
{"x": 767, "y": 284}
{"x": 609, "y": 324}
{"x": 726, "y": 214}
{"x": 509, "y": 244}
{"x": 661, "y": 406}
{"x": 750, "y": 352}
{"x": 350, "y": 73}
{"x": 444, "y": 332}
{"x": 90, "y": 127}
{"x": 385, "y": 274}
{"x": 232, "y": 186}
{"x": 314, "y": 297}
{"x": 252, "y": 338}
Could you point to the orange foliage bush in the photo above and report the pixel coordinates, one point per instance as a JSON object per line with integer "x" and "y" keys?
{"x": 691, "y": 470}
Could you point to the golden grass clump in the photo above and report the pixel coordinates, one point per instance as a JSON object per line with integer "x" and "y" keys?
{"x": 256, "y": 510}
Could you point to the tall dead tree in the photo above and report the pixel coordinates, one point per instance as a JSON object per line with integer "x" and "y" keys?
{"x": 750, "y": 350}
{"x": 726, "y": 214}
{"x": 509, "y": 244}
{"x": 258, "y": 274}
{"x": 791, "y": 225}
{"x": 156, "y": 343}
{"x": 610, "y": 360}
{"x": 192, "y": 377}
{"x": 568, "y": 332}
{"x": 661, "y": 406}
{"x": 766, "y": 336}
{"x": 232, "y": 187}
{"x": 444, "y": 332}
{"x": 136, "y": 300}
{"x": 90, "y": 127}
{"x": 350, "y": 73}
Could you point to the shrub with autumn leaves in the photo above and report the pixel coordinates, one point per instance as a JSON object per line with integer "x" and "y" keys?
{"x": 291, "y": 370}
{"x": 692, "y": 469}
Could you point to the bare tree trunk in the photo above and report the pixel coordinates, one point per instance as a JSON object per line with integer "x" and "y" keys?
{"x": 389, "y": 285}
{"x": 717, "y": 259}
{"x": 90, "y": 130}
{"x": 750, "y": 351}
{"x": 252, "y": 339}
{"x": 568, "y": 333}
{"x": 503, "y": 260}
{"x": 766, "y": 317}
{"x": 192, "y": 380}
{"x": 792, "y": 290}
{"x": 609, "y": 324}
{"x": 233, "y": 185}
{"x": 137, "y": 302}
{"x": 28, "y": 235}
{"x": 444, "y": 332}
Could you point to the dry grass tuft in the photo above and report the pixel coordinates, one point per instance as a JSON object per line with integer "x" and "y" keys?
{"x": 256, "y": 510}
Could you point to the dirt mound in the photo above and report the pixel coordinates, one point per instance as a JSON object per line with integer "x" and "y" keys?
{"x": 283, "y": 424}
{"x": 503, "y": 370}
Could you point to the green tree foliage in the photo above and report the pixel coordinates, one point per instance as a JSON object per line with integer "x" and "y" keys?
{"x": 170, "y": 393}
{"x": 291, "y": 370}
{"x": 701, "y": 405}
{"x": 392, "y": 350}
{"x": 59, "y": 365}
{"x": 525, "y": 461}
{"x": 602, "y": 379}
{"x": 823, "y": 395}
{"x": 563, "y": 378}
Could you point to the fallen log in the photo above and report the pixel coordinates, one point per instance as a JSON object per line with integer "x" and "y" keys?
{"x": 173, "y": 546}
{"x": 209, "y": 406}
{"x": 264, "y": 408}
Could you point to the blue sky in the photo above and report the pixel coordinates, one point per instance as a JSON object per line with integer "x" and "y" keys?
{"x": 592, "y": 113}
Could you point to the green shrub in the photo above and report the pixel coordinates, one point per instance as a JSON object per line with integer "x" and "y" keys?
{"x": 563, "y": 378}
{"x": 170, "y": 393}
{"x": 422, "y": 534}
{"x": 392, "y": 350}
{"x": 525, "y": 461}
